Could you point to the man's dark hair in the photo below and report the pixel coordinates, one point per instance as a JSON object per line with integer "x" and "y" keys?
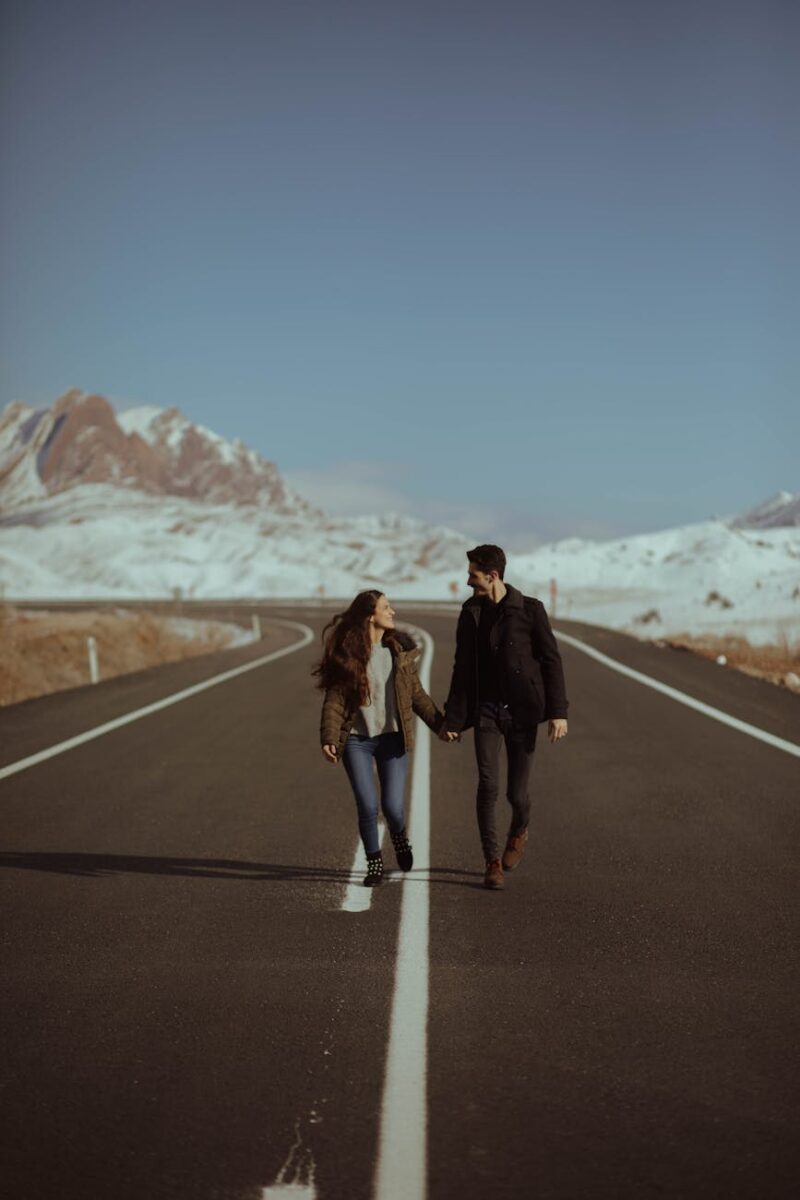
{"x": 488, "y": 558}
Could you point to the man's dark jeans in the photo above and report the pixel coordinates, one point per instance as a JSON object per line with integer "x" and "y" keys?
{"x": 495, "y": 724}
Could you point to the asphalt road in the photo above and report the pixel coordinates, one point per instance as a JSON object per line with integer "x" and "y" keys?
{"x": 189, "y": 1012}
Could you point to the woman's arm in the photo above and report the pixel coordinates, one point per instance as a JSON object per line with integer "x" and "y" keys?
{"x": 422, "y": 704}
{"x": 333, "y": 717}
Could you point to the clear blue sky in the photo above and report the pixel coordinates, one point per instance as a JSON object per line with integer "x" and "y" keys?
{"x": 528, "y": 268}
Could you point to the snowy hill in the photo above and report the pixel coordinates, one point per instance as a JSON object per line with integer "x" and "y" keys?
{"x": 716, "y": 576}
{"x": 140, "y": 504}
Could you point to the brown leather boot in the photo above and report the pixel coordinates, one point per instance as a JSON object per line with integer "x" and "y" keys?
{"x": 515, "y": 848}
{"x": 494, "y": 874}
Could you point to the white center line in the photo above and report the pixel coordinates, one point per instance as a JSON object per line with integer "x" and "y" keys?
{"x": 98, "y": 731}
{"x": 682, "y": 698}
{"x": 402, "y": 1148}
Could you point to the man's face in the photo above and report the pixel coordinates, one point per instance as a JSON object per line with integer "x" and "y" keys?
{"x": 479, "y": 581}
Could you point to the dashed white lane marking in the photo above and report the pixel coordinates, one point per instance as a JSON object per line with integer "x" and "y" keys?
{"x": 715, "y": 713}
{"x": 296, "y": 1176}
{"x": 175, "y": 698}
{"x": 289, "y": 1191}
{"x": 358, "y": 898}
{"x": 402, "y": 1148}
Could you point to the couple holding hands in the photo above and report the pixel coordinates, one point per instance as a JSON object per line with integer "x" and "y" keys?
{"x": 507, "y": 679}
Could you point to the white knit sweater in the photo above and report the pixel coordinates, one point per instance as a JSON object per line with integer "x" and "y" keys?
{"x": 380, "y": 715}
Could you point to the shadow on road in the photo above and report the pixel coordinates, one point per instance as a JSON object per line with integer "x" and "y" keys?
{"x": 100, "y": 865}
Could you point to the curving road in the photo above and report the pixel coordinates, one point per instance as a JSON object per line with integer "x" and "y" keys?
{"x": 190, "y": 1011}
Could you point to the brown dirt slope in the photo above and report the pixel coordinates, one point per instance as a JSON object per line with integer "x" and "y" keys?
{"x": 778, "y": 664}
{"x": 42, "y": 652}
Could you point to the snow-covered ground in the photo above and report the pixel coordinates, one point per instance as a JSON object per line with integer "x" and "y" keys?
{"x": 100, "y": 541}
{"x": 94, "y": 542}
{"x": 191, "y": 630}
{"x": 145, "y": 504}
{"x": 704, "y": 578}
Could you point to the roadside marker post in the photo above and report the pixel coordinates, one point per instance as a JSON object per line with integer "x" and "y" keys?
{"x": 91, "y": 645}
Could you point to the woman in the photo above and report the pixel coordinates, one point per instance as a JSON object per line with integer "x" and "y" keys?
{"x": 368, "y": 672}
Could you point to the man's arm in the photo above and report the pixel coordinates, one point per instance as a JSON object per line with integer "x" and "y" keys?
{"x": 545, "y": 649}
{"x": 455, "y": 708}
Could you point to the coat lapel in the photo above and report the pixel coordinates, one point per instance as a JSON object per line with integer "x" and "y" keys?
{"x": 473, "y": 606}
{"x": 513, "y": 600}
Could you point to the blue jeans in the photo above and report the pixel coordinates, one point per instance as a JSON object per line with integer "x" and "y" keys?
{"x": 388, "y": 752}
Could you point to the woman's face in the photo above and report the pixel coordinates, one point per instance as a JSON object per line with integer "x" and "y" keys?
{"x": 383, "y": 616}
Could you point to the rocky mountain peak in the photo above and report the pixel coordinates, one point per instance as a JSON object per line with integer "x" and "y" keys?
{"x": 81, "y": 440}
{"x": 782, "y": 509}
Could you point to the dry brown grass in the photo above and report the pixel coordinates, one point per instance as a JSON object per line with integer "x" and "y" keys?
{"x": 44, "y": 652}
{"x": 778, "y": 663}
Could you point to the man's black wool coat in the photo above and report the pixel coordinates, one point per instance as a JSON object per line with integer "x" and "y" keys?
{"x": 527, "y": 658}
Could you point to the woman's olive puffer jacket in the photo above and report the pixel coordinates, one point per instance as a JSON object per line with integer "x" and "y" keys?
{"x": 338, "y": 715}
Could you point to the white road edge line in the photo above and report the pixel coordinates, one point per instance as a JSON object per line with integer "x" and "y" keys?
{"x": 715, "y": 713}
{"x": 175, "y": 698}
{"x": 401, "y": 1168}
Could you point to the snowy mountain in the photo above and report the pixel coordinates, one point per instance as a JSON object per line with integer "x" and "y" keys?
{"x": 81, "y": 440}
{"x": 783, "y": 509}
{"x": 144, "y": 503}
{"x": 715, "y": 576}
{"x": 147, "y": 502}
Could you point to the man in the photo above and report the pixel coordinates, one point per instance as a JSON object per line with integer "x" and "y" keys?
{"x": 507, "y": 679}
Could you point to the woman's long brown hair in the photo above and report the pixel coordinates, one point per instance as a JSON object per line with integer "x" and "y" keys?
{"x": 347, "y": 646}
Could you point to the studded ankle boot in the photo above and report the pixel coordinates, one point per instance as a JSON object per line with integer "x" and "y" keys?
{"x": 402, "y": 848}
{"x": 374, "y": 874}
